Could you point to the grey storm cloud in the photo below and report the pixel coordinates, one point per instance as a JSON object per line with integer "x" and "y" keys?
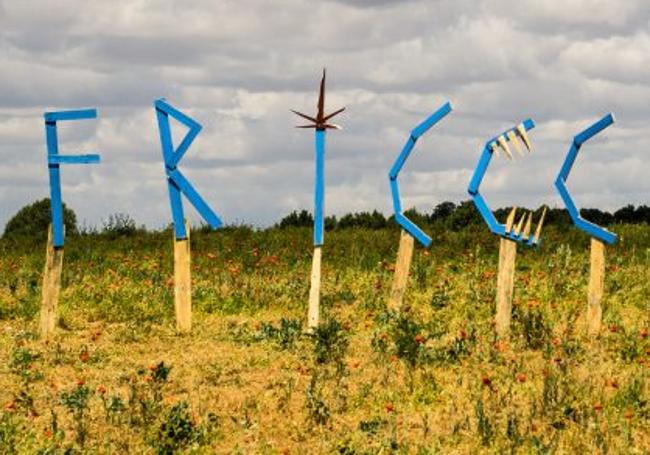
{"x": 238, "y": 66}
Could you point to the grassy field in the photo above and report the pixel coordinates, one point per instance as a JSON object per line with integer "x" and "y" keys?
{"x": 117, "y": 378}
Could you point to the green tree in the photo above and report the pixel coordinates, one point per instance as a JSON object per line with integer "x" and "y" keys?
{"x": 464, "y": 215}
{"x": 34, "y": 219}
{"x": 443, "y": 211}
{"x": 297, "y": 219}
{"x": 119, "y": 225}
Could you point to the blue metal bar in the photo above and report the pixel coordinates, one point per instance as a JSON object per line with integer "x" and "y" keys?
{"x": 73, "y": 159}
{"x": 165, "y": 137}
{"x": 594, "y": 129}
{"x": 590, "y": 228}
{"x": 319, "y": 191}
{"x": 569, "y": 160}
{"x": 596, "y": 231}
{"x": 80, "y": 114}
{"x": 488, "y": 216}
{"x": 566, "y": 198}
{"x": 413, "y": 230}
{"x": 394, "y": 189}
{"x": 401, "y": 158}
{"x": 178, "y": 115}
{"x": 185, "y": 144}
{"x": 56, "y": 203}
{"x": 176, "y": 205}
{"x": 195, "y": 198}
{"x": 480, "y": 170}
{"x": 431, "y": 120}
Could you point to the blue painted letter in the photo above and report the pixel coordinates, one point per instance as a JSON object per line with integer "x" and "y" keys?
{"x": 418, "y": 131}
{"x": 54, "y": 160}
{"x": 592, "y": 229}
{"x": 176, "y": 181}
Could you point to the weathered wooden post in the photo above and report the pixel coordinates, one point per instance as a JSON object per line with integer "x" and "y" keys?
{"x": 313, "y": 311}
{"x": 599, "y": 236}
{"x": 505, "y": 285}
{"x": 51, "y": 286}
{"x": 56, "y": 232}
{"x": 410, "y": 231}
{"x": 510, "y": 233}
{"x": 596, "y": 286}
{"x": 183, "y": 282}
{"x": 402, "y": 268}
{"x": 177, "y": 184}
{"x": 320, "y": 124}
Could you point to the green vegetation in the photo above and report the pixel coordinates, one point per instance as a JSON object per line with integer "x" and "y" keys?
{"x": 34, "y": 219}
{"x": 117, "y": 378}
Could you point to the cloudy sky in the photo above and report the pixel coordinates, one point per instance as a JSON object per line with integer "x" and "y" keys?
{"x": 238, "y": 66}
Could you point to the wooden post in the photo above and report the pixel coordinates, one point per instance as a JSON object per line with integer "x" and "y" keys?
{"x": 314, "y": 290}
{"x": 505, "y": 285}
{"x": 596, "y": 286}
{"x": 183, "y": 282}
{"x": 402, "y": 268}
{"x": 51, "y": 286}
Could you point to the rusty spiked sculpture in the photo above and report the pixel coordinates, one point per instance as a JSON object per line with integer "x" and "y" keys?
{"x": 320, "y": 124}
{"x": 511, "y": 232}
{"x": 410, "y": 231}
{"x": 599, "y": 235}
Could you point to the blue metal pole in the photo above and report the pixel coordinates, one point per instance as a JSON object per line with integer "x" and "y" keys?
{"x": 319, "y": 192}
{"x": 56, "y": 201}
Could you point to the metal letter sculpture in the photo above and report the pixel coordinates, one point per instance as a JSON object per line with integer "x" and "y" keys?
{"x": 599, "y": 235}
{"x": 519, "y": 232}
{"x": 176, "y": 181}
{"x": 560, "y": 183}
{"x": 54, "y": 160}
{"x": 320, "y": 123}
{"x": 418, "y": 131}
{"x": 510, "y": 233}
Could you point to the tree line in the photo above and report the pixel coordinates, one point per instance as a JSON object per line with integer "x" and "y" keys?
{"x": 33, "y": 219}
{"x": 457, "y": 216}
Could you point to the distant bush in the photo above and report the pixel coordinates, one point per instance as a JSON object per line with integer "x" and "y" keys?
{"x": 463, "y": 215}
{"x": 456, "y": 217}
{"x": 34, "y": 219}
{"x": 297, "y": 219}
{"x": 443, "y": 211}
{"x": 374, "y": 220}
{"x": 119, "y": 225}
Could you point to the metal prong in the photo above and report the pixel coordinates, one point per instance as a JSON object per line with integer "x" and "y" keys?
{"x": 510, "y": 220}
{"x": 504, "y": 146}
{"x": 529, "y": 224}
{"x": 512, "y": 138}
{"x": 524, "y": 137}
{"x": 520, "y": 224}
{"x": 538, "y": 231}
{"x": 494, "y": 149}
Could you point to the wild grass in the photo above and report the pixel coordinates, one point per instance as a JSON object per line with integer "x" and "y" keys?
{"x": 117, "y": 378}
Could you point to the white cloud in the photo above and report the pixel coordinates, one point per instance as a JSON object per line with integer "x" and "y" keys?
{"x": 237, "y": 67}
